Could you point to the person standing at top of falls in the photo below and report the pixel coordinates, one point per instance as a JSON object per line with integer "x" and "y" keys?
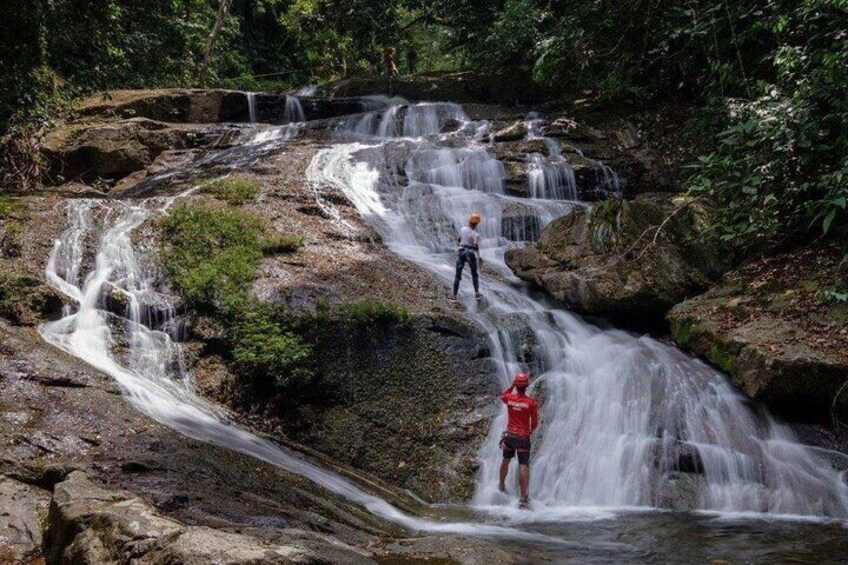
{"x": 389, "y": 60}
{"x": 411, "y": 59}
{"x": 468, "y": 252}
{"x": 523, "y": 414}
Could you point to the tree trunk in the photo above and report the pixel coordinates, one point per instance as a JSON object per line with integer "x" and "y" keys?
{"x": 223, "y": 8}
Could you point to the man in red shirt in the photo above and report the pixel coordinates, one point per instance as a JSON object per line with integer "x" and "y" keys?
{"x": 523, "y": 421}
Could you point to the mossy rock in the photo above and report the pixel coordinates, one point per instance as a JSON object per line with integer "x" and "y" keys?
{"x": 27, "y": 301}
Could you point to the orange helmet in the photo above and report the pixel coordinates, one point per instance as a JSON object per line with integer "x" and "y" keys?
{"x": 522, "y": 380}
{"x": 474, "y": 219}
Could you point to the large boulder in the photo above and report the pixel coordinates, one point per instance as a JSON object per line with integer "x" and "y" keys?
{"x": 27, "y": 301}
{"x": 114, "y": 150}
{"x": 408, "y": 401}
{"x": 627, "y": 260}
{"x": 769, "y": 328}
{"x": 90, "y": 524}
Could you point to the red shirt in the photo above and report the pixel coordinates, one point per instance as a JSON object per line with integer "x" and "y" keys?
{"x": 523, "y": 413}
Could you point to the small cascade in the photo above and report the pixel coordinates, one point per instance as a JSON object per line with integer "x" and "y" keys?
{"x": 294, "y": 110}
{"x": 307, "y": 91}
{"x": 607, "y": 178}
{"x": 549, "y": 177}
{"x": 276, "y": 133}
{"x": 393, "y": 118}
{"x": 251, "y": 107}
{"x": 471, "y": 167}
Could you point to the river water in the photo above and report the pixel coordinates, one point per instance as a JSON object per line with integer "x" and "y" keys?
{"x": 622, "y": 414}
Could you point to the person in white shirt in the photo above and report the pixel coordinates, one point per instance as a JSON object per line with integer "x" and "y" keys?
{"x": 468, "y": 252}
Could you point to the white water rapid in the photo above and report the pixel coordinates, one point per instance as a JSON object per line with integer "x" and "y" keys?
{"x": 620, "y": 412}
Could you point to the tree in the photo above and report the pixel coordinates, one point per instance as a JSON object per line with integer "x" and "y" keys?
{"x": 223, "y": 9}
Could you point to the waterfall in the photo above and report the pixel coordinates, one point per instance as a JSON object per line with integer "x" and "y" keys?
{"x": 294, "y": 110}
{"x": 618, "y": 409}
{"x": 251, "y": 106}
{"x": 551, "y": 176}
{"x": 395, "y": 117}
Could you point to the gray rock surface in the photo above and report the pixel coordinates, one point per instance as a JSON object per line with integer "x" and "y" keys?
{"x": 89, "y": 524}
{"x": 22, "y": 508}
{"x": 610, "y": 261}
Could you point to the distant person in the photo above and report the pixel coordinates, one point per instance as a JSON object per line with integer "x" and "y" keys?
{"x": 411, "y": 59}
{"x": 468, "y": 252}
{"x": 389, "y": 60}
{"x": 523, "y": 414}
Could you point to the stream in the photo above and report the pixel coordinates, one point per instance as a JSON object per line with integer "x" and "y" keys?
{"x": 626, "y": 419}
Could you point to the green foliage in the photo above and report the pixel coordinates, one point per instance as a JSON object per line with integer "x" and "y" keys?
{"x": 211, "y": 255}
{"x": 264, "y": 352}
{"x": 371, "y": 313}
{"x": 780, "y": 167}
{"x": 838, "y": 293}
{"x": 12, "y": 209}
{"x": 282, "y": 243}
{"x": 233, "y": 190}
{"x": 604, "y": 225}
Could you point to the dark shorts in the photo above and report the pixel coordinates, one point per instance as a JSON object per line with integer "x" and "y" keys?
{"x": 512, "y": 444}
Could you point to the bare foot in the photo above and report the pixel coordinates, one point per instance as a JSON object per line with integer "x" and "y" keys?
{"x": 478, "y": 296}
{"x": 502, "y": 488}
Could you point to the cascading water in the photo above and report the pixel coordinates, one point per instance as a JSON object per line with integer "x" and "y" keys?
{"x": 549, "y": 176}
{"x": 395, "y": 117}
{"x": 619, "y": 409}
{"x": 294, "y": 110}
{"x": 149, "y": 368}
{"x": 251, "y": 106}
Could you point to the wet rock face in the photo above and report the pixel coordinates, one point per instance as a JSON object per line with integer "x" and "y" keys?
{"x": 27, "y": 301}
{"x": 412, "y": 404}
{"x": 21, "y": 511}
{"x": 609, "y": 260}
{"x": 408, "y": 402}
{"x": 767, "y": 327}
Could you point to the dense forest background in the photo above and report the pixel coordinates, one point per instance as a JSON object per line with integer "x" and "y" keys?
{"x": 767, "y": 78}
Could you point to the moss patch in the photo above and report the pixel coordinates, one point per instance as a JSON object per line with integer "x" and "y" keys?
{"x": 684, "y": 332}
{"x": 233, "y": 190}
{"x": 282, "y": 243}
{"x": 13, "y": 214}
{"x": 263, "y": 350}
{"x": 25, "y": 301}
{"x": 211, "y": 254}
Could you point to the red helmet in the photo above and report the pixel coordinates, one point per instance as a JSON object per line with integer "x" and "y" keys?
{"x": 521, "y": 380}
